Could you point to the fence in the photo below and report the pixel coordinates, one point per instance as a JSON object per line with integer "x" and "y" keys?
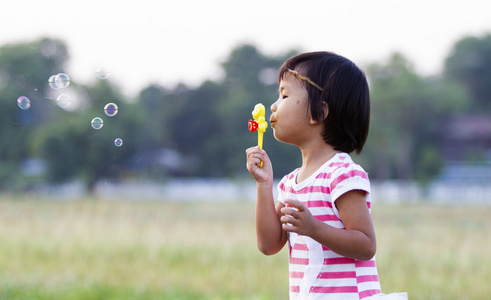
{"x": 245, "y": 190}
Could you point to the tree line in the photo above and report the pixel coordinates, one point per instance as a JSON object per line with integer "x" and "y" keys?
{"x": 202, "y": 131}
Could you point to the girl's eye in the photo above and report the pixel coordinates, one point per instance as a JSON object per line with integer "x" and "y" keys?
{"x": 284, "y": 97}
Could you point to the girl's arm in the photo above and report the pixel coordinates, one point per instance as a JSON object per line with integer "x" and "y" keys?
{"x": 270, "y": 236}
{"x": 356, "y": 241}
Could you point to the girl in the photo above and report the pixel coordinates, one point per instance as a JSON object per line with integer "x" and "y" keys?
{"x": 323, "y": 207}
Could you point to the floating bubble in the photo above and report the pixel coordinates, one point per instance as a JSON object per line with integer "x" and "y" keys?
{"x": 52, "y": 82}
{"x": 62, "y": 80}
{"x": 111, "y": 109}
{"x": 59, "y": 81}
{"x": 23, "y": 102}
{"x": 118, "y": 142}
{"x": 97, "y": 123}
{"x": 64, "y": 101}
{"x": 102, "y": 73}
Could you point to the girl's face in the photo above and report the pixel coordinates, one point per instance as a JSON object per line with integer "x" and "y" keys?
{"x": 290, "y": 118}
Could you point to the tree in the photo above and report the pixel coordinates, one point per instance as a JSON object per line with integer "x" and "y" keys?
{"x": 250, "y": 78}
{"x": 470, "y": 64}
{"x": 209, "y": 123}
{"x": 406, "y": 110}
{"x": 73, "y": 149}
{"x": 24, "y": 71}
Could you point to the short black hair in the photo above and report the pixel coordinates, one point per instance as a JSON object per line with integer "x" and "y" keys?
{"x": 345, "y": 91}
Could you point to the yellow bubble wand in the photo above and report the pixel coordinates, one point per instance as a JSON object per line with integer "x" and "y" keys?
{"x": 259, "y": 123}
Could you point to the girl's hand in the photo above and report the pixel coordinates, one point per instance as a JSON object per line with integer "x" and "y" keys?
{"x": 297, "y": 218}
{"x": 254, "y": 157}
{"x": 356, "y": 240}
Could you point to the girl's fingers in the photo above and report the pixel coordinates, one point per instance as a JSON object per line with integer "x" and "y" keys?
{"x": 254, "y": 160}
{"x": 297, "y": 205}
{"x": 288, "y": 227}
{"x": 290, "y": 211}
{"x": 255, "y": 156}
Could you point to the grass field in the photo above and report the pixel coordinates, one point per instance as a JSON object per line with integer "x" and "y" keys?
{"x": 93, "y": 249}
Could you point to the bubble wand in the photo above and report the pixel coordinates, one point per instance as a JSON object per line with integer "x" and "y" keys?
{"x": 259, "y": 123}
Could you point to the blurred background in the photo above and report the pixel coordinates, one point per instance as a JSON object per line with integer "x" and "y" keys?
{"x": 185, "y": 77}
{"x": 185, "y": 82}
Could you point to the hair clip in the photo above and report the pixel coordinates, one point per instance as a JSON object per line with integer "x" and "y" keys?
{"x": 306, "y": 79}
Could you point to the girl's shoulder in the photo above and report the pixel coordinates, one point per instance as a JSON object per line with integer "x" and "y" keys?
{"x": 341, "y": 163}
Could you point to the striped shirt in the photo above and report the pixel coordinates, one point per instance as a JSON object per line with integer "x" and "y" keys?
{"x": 315, "y": 271}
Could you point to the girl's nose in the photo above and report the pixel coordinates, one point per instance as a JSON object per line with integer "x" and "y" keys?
{"x": 273, "y": 107}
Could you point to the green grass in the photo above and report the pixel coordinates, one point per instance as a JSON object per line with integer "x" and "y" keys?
{"x": 434, "y": 252}
{"x": 93, "y": 249}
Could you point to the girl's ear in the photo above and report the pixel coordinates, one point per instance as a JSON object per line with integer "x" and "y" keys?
{"x": 325, "y": 109}
{"x": 325, "y": 112}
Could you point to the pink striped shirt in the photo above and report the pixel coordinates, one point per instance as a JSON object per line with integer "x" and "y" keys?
{"x": 315, "y": 271}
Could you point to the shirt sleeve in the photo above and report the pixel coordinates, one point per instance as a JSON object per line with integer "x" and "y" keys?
{"x": 346, "y": 179}
{"x": 281, "y": 190}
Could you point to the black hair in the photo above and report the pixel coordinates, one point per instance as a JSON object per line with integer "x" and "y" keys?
{"x": 345, "y": 91}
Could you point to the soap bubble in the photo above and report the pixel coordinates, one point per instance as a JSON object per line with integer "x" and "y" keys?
{"x": 102, "y": 73}
{"x": 111, "y": 109}
{"x": 64, "y": 101}
{"x": 52, "y": 82}
{"x": 23, "y": 102}
{"x": 59, "y": 81}
{"x": 97, "y": 123}
{"x": 118, "y": 142}
{"x": 62, "y": 80}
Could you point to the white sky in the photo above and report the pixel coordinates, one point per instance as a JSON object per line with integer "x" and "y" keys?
{"x": 167, "y": 42}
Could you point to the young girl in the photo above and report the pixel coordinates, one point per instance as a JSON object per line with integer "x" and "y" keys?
{"x": 323, "y": 207}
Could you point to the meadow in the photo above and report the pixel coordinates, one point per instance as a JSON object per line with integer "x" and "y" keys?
{"x": 100, "y": 249}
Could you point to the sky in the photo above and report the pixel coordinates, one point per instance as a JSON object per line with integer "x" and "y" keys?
{"x": 170, "y": 42}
